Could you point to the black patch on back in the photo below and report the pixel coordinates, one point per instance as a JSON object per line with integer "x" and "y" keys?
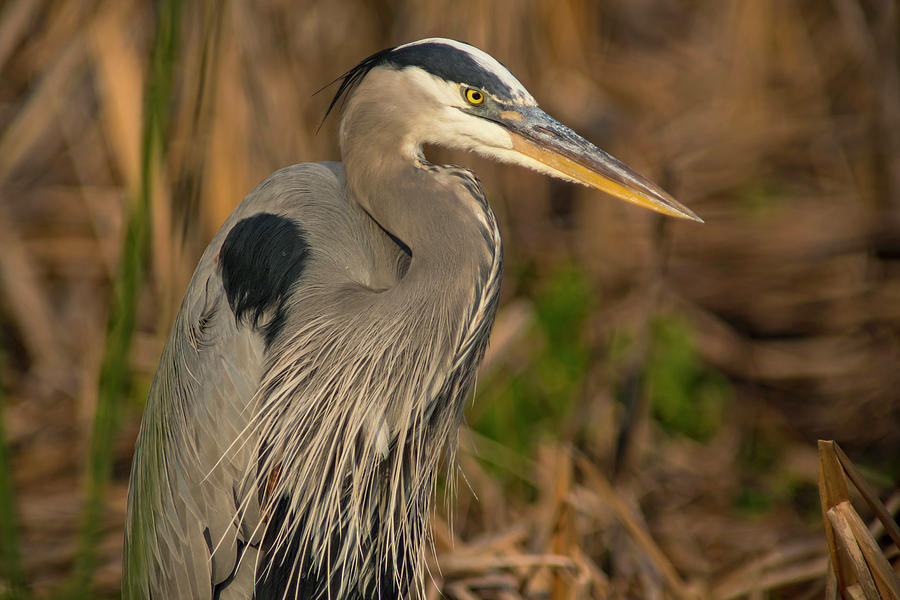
{"x": 261, "y": 258}
{"x": 442, "y": 60}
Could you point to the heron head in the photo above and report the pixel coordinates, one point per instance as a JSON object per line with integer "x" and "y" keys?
{"x": 448, "y": 93}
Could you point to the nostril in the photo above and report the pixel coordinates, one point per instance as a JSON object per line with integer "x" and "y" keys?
{"x": 549, "y": 132}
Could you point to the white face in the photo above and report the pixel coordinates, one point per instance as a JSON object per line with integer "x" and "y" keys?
{"x": 437, "y": 113}
{"x": 442, "y": 116}
{"x": 433, "y": 110}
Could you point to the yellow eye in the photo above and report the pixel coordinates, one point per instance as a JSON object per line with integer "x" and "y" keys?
{"x": 474, "y": 96}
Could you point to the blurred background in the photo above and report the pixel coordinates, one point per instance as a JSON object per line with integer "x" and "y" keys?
{"x": 648, "y": 411}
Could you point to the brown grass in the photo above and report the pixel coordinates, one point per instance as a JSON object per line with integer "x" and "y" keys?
{"x": 778, "y": 122}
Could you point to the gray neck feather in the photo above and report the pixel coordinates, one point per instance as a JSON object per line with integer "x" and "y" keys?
{"x": 366, "y": 403}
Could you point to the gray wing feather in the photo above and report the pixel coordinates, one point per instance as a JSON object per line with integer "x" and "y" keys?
{"x": 189, "y": 508}
{"x": 181, "y": 498}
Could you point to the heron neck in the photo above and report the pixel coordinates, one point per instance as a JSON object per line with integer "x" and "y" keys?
{"x": 434, "y": 213}
{"x": 438, "y": 221}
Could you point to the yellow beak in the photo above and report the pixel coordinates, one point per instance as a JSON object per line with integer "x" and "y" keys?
{"x": 537, "y": 135}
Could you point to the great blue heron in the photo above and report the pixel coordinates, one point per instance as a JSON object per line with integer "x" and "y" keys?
{"x": 315, "y": 377}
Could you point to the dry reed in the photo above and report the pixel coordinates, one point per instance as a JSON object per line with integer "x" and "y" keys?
{"x": 778, "y": 122}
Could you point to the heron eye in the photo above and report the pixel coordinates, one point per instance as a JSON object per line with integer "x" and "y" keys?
{"x": 474, "y": 96}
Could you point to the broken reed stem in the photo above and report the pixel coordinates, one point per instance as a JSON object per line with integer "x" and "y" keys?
{"x": 847, "y": 542}
{"x": 871, "y": 498}
{"x": 858, "y": 565}
{"x": 832, "y": 491}
{"x": 885, "y": 578}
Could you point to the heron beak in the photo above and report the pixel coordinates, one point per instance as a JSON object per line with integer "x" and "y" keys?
{"x": 539, "y": 136}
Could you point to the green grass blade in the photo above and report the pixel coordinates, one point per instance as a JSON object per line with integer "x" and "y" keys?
{"x": 114, "y": 373}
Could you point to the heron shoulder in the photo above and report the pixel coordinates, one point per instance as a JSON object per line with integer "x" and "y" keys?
{"x": 298, "y": 232}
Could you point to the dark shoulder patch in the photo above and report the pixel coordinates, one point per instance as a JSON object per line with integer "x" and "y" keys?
{"x": 260, "y": 260}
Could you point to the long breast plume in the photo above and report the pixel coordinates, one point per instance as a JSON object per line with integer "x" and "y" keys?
{"x": 351, "y": 429}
